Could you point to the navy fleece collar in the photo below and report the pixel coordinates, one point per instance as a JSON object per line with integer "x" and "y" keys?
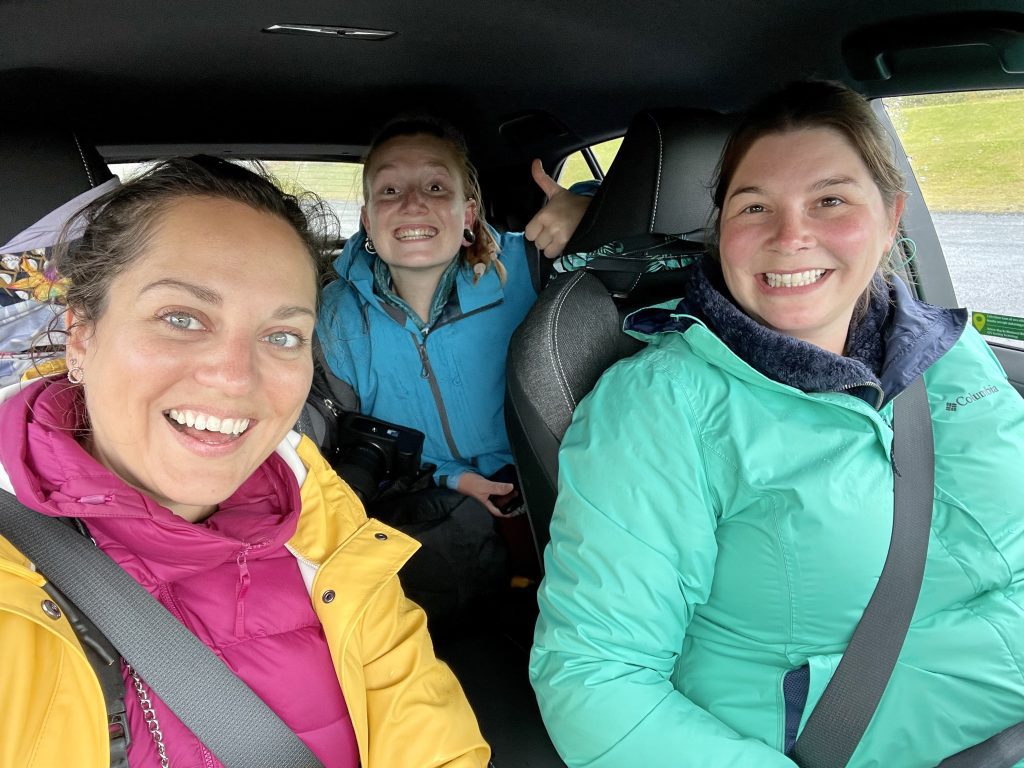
{"x": 897, "y": 340}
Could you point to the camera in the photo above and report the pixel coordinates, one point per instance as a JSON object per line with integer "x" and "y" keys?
{"x": 374, "y": 453}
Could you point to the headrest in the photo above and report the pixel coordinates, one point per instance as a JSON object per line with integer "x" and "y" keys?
{"x": 660, "y": 181}
{"x": 40, "y": 170}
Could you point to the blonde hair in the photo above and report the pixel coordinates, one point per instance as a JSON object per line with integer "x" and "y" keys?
{"x": 484, "y": 250}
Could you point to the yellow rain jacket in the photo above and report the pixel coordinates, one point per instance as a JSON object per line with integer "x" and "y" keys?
{"x": 407, "y": 708}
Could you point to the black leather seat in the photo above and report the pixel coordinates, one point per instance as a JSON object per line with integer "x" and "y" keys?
{"x": 657, "y": 187}
{"x": 40, "y": 170}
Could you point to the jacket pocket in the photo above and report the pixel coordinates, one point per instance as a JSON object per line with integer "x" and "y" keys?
{"x": 801, "y": 689}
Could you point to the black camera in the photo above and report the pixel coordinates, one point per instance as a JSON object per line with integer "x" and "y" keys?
{"x": 374, "y": 454}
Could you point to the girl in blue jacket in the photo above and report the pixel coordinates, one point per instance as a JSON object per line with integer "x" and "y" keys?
{"x": 726, "y": 495}
{"x": 419, "y": 320}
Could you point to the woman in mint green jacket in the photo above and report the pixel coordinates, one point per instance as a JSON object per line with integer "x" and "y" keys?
{"x": 725, "y": 496}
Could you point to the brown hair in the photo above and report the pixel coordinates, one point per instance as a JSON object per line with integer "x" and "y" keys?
{"x": 484, "y": 249}
{"x": 815, "y": 104}
{"x": 119, "y": 225}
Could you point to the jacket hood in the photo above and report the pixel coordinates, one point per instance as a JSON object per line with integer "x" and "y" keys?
{"x": 897, "y": 340}
{"x": 53, "y": 474}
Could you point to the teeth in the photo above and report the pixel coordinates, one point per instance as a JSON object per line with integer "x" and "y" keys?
{"x": 209, "y": 423}
{"x": 793, "y": 279}
{"x": 409, "y": 234}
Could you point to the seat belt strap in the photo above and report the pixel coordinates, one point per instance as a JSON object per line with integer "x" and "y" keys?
{"x": 213, "y": 702}
{"x": 838, "y": 721}
{"x": 1003, "y": 750}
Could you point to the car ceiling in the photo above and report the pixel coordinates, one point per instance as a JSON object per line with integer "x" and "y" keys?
{"x": 203, "y": 72}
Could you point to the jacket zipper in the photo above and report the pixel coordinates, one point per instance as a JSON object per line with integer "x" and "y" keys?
{"x": 427, "y": 372}
{"x": 870, "y": 384}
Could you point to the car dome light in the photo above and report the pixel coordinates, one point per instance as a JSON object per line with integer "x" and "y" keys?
{"x": 352, "y": 33}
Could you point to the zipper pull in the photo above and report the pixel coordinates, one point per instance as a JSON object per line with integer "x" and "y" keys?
{"x": 425, "y": 370}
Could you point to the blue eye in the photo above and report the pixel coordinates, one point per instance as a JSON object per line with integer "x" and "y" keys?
{"x": 285, "y": 340}
{"x": 182, "y": 321}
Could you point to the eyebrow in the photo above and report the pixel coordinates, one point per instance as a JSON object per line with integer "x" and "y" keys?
{"x": 831, "y": 181}
{"x": 210, "y": 296}
{"x": 430, "y": 163}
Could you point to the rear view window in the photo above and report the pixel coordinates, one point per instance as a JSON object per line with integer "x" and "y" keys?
{"x": 339, "y": 184}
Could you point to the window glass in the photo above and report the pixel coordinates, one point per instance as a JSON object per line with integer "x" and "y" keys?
{"x": 576, "y": 169}
{"x": 967, "y": 152}
{"x": 339, "y": 184}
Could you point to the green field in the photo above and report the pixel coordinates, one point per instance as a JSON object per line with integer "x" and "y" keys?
{"x": 967, "y": 152}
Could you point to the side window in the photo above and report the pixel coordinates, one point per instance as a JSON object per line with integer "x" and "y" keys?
{"x": 967, "y": 153}
{"x": 577, "y": 168}
{"x": 339, "y": 184}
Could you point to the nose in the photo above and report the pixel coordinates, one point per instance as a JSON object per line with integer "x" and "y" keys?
{"x": 792, "y": 230}
{"x": 229, "y": 365}
{"x": 413, "y": 200}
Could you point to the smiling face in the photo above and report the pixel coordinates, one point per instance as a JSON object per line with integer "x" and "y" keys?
{"x": 416, "y": 207}
{"x": 201, "y": 362}
{"x": 803, "y": 229}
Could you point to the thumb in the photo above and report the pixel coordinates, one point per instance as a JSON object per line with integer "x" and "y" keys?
{"x": 547, "y": 185}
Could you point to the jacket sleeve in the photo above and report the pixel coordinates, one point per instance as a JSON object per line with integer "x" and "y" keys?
{"x": 417, "y": 712}
{"x": 632, "y": 554}
{"x": 448, "y": 473}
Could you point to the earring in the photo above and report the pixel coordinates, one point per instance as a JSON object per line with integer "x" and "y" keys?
{"x": 468, "y": 236}
{"x": 368, "y": 245}
{"x": 904, "y": 246}
{"x": 75, "y": 373}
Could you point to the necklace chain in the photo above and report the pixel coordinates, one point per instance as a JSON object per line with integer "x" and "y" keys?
{"x": 149, "y": 715}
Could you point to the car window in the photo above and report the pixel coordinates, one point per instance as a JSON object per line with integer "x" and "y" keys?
{"x": 967, "y": 152}
{"x": 338, "y": 183}
{"x": 576, "y": 168}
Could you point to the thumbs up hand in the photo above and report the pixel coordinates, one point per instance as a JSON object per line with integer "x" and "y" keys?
{"x": 554, "y": 224}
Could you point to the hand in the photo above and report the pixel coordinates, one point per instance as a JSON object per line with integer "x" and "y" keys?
{"x": 554, "y": 224}
{"x": 480, "y": 488}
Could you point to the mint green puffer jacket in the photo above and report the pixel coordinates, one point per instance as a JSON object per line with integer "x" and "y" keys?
{"x": 716, "y": 529}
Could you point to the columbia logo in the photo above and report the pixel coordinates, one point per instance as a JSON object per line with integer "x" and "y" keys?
{"x": 972, "y": 397}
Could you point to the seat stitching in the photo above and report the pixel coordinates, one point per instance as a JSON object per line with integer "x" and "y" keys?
{"x": 563, "y": 382}
{"x": 85, "y": 164}
{"x": 657, "y": 183}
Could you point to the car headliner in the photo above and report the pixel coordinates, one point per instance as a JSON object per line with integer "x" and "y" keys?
{"x": 203, "y": 72}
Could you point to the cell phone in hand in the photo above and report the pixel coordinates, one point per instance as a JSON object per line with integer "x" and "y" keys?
{"x": 509, "y": 504}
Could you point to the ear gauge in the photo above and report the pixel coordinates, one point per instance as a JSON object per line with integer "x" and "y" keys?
{"x": 468, "y": 237}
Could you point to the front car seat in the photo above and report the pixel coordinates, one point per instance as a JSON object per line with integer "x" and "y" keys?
{"x": 657, "y": 193}
{"x": 46, "y": 176}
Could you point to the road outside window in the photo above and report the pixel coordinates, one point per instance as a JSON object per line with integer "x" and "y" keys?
{"x": 967, "y": 152}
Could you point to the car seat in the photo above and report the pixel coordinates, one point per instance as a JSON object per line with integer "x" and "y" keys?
{"x": 46, "y": 175}
{"x": 656, "y": 199}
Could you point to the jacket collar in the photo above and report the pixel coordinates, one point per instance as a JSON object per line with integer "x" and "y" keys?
{"x": 51, "y": 473}
{"x": 898, "y": 339}
{"x": 355, "y": 265}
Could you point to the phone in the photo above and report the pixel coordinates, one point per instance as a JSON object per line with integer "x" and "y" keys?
{"x": 509, "y": 504}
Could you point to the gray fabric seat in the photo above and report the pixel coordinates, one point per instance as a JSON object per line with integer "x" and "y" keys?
{"x": 657, "y": 187}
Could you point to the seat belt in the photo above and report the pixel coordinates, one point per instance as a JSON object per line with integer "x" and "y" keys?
{"x": 838, "y": 721}
{"x": 210, "y": 699}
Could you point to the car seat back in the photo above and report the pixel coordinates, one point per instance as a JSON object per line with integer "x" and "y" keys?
{"x": 652, "y": 211}
{"x": 46, "y": 176}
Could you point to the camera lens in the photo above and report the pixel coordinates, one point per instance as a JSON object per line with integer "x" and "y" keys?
{"x": 364, "y": 470}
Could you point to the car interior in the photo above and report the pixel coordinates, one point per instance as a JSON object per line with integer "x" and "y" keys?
{"x": 95, "y": 85}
